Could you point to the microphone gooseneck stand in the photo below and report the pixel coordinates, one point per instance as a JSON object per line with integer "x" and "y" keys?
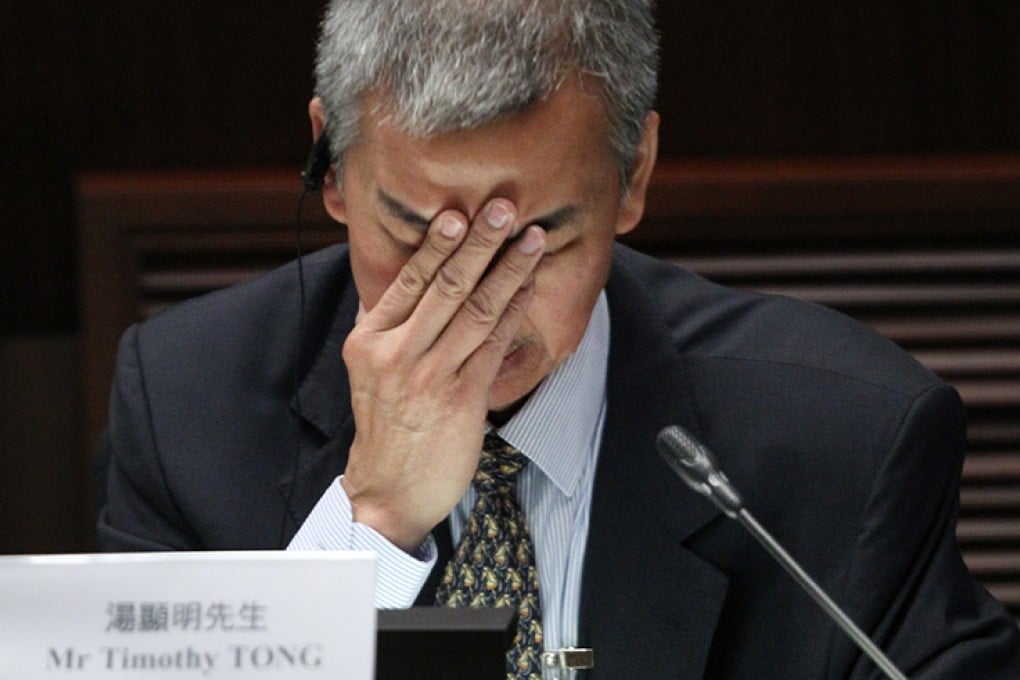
{"x": 696, "y": 465}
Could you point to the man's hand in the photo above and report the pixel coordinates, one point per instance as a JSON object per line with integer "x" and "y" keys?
{"x": 421, "y": 363}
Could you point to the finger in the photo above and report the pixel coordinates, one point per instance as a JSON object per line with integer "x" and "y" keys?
{"x": 483, "y": 365}
{"x": 489, "y": 302}
{"x": 399, "y": 300}
{"x": 455, "y": 281}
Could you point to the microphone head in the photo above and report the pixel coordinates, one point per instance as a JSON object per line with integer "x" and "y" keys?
{"x": 696, "y": 465}
{"x": 685, "y": 454}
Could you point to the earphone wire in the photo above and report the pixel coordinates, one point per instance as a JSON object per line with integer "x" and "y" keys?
{"x": 295, "y": 373}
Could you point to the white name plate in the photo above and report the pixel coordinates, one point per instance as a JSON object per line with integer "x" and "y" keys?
{"x": 188, "y": 615}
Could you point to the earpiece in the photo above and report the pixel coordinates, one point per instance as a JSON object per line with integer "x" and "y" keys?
{"x": 317, "y": 165}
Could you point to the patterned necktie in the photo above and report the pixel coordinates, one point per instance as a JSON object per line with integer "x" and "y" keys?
{"x": 494, "y": 564}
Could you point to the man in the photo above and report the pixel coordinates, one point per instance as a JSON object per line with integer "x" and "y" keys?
{"x": 485, "y": 155}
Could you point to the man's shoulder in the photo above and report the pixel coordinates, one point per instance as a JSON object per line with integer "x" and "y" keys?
{"x": 711, "y": 323}
{"x": 252, "y": 317}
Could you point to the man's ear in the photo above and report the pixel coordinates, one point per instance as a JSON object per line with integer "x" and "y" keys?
{"x": 332, "y": 196}
{"x": 632, "y": 206}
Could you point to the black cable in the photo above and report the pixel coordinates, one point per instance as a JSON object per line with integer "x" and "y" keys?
{"x": 296, "y": 387}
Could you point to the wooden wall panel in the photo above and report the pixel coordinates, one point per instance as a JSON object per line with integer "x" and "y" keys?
{"x": 111, "y": 84}
{"x": 926, "y": 250}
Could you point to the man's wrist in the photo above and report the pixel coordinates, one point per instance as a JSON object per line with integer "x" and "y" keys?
{"x": 388, "y": 524}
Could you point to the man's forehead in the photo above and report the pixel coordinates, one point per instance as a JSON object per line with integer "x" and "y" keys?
{"x": 553, "y": 156}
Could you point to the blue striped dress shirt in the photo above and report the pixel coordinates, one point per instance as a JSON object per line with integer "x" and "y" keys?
{"x": 559, "y": 429}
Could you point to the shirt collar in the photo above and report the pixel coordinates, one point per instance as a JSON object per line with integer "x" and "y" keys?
{"x": 557, "y": 428}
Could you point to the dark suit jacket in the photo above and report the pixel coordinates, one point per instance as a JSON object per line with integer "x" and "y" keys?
{"x": 845, "y": 448}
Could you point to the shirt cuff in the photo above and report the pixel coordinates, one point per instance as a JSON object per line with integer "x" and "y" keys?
{"x": 331, "y": 526}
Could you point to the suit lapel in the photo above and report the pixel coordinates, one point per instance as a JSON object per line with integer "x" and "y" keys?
{"x": 323, "y": 405}
{"x": 648, "y": 603}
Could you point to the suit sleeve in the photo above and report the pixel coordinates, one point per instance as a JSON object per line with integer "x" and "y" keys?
{"x": 927, "y": 612}
{"x": 140, "y": 512}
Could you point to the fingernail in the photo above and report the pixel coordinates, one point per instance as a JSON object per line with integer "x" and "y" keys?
{"x": 497, "y": 215}
{"x": 450, "y": 226}
{"x": 530, "y": 243}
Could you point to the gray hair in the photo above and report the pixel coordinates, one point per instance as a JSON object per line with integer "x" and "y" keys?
{"x": 445, "y": 65}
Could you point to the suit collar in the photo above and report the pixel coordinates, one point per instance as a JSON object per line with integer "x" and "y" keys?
{"x": 324, "y": 397}
{"x": 322, "y": 401}
{"x": 646, "y": 598}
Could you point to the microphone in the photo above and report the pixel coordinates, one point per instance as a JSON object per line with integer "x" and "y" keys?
{"x": 695, "y": 464}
